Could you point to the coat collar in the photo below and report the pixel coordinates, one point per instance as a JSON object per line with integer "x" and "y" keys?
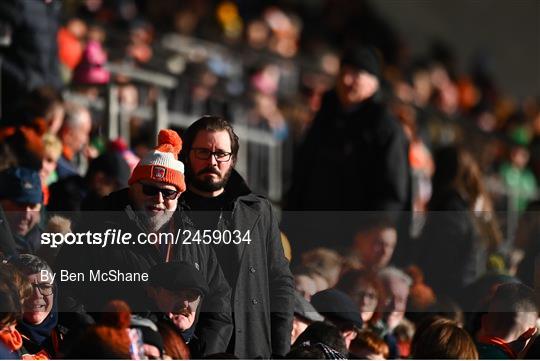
{"x": 240, "y": 198}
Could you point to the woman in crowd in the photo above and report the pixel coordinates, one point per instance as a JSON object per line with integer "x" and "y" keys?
{"x": 460, "y": 229}
{"x": 13, "y": 289}
{"x": 39, "y": 325}
{"x": 365, "y": 289}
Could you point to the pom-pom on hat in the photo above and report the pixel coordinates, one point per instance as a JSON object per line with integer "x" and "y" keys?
{"x": 162, "y": 164}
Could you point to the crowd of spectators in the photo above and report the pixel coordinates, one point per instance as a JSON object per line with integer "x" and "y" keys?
{"x": 409, "y": 186}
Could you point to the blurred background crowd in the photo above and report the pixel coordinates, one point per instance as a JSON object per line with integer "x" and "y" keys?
{"x": 86, "y": 86}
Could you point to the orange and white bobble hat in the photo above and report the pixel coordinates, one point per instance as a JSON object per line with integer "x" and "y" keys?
{"x": 162, "y": 164}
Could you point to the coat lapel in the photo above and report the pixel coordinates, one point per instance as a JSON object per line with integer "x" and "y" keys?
{"x": 244, "y": 218}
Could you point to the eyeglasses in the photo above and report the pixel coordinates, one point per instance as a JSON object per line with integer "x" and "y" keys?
{"x": 46, "y": 289}
{"x": 205, "y": 154}
{"x": 369, "y": 295}
{"x": 153, "y": 191}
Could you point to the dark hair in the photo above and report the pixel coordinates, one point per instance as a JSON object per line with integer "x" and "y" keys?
{"x": 325, "y": 333}
{"x": 509, "y": 299}
{"x": 381, "y": 220}
{"x": 30, "y": 264}
{"x": 209, "y": 123}
{"x": 440, "y": 338}
{"x": 513, "y": 297}
{"x": 457, "y": 170}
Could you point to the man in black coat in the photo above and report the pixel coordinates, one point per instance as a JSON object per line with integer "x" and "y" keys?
{"x": 244, "y": 231}
{"x": 147, "y": 207}
{"x": 354, "y": 157}
{"x": 355, "y": 147}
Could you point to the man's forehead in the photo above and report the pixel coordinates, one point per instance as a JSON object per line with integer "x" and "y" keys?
{"x": 41, "y": 277}
{"x": 209, "y": 138}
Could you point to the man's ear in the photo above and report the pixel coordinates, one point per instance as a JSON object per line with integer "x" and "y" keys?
{"x": 350, "y": 335}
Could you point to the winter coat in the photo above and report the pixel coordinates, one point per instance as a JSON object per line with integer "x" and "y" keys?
{"x": 355, "y": 159}
{"x": 214, "y": 325}
{"x": 258, "y": 272}
{"x": 451, "y": 252}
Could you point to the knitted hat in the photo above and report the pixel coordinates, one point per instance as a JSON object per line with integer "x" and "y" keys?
{"x": 162, "y": 164}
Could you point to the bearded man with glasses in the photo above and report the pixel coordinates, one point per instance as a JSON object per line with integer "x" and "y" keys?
{"x": 147, "y": 207}
{"x": 219, "y": 201}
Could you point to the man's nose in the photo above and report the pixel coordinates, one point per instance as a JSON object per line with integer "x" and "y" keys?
{"x": 159, "y": 197}
{"x": 36, "y": 292}
{"x": 27, "y": 213}
{"x": 212, "y": 160}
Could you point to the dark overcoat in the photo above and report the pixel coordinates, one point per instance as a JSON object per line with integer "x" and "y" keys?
{"x": 214, "y": 325}
{"x": 259, "y": 275}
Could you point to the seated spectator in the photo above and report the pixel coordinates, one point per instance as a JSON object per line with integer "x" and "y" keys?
{"x": 320, "y": 333}
{"x": 368, "y": 293}
{"x": 440, "y": 338}
{"x": 304, "y": 315}
{"x": 176, "y": 291}
{"x": 21, "y": 198}
{"x": 308, "y": 282}
{"x": 107, "y": 173}
{"x": 52, "y": 151}
{"x": 13, "y": 289}
{"x": 375, "y": 242}
{"x": 339, "y": 309}
{"x": 509, "y": 323}
{"x": 326, "y": 261}
{"x": 74, "y": 134}
{"x": 42, "y": 336}
{"x": 396, "y": 288}
{"x": 368, "y": 346}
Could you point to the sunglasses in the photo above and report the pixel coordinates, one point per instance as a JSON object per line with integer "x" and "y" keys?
{"x": 149, "y": 190}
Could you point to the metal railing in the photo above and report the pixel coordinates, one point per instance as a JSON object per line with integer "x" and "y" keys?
{"x": 117, "y": 121}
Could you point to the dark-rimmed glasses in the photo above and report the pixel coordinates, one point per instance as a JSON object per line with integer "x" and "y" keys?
{"x": 46, "y": 289}
{"x": 205, "y": 154}
{"x": 153, "y": 191}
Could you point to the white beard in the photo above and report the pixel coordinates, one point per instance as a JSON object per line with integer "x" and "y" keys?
{"x": 156, "y": 222}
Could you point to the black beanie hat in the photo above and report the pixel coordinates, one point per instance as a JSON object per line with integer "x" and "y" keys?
{"x": 362, "y": 58}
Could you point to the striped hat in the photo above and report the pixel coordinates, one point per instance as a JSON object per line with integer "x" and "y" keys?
{"x": 162, "y": 164}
